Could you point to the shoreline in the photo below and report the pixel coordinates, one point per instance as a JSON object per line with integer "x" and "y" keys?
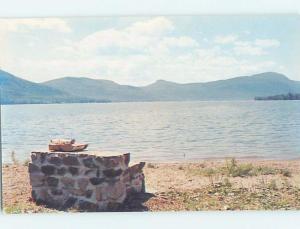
{"x": 188, "y": 186}
{"x": 216, "y": 160}
{"x": 150, "y": 101}
{"x": 220, "y": 160}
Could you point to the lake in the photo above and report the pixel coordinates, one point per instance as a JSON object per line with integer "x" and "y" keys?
{"x": 159, "y": 131}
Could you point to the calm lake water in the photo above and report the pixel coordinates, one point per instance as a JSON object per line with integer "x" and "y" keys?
{"x": 159, "y": 131}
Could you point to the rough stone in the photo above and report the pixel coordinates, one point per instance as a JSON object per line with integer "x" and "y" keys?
{"x": 61, "y": 171}
{"x": 70, "y": 160}
{"x": 96, "y": 180}
{"x": 111, "y": 162}
{"x": 34, "y": 157}
{"x": 48, "y": 169}
{"x": 112, "y": 173}
{"x": 82, "y": 183}
{"x": 99, "y": 160}
{"x": 116, "y": 191}
{"x": 126, "y": 177}
{"x": 37, "y": 180}
{"x": 113, "y": 206}
{"x": 42, "y": 194}
{"x": 33, "y": 195}
{"x": 126, "y": 158}
{"x": 99, "y": 193}
{"x": 52, "y": 181}
{"x": 136, "y": 169}
{"x": 69, "y": 203}
{"x": 142, "y": 165}
{"x": 90, "y": 172}
{"x": 67, "y": 182}
{"x": 88, "y": 206}
{"x": 55, "y": 161}
{"x": 56, "y": 192}
{"x": 88, "y": 193}
{"x": 42, "y": 157}
{"x": 73, "y": 170}
{"x": 113, "y": 180}
{"x": 98, "y": 173}
{"x": 32, "y": 168}
{"x": 89, "y": 162}
{"x": 77, "y": 192}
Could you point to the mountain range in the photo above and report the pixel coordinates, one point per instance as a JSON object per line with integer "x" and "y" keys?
{"x": 15, "y": 90}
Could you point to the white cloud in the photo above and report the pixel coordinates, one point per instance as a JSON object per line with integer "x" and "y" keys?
{"x": 157, "y": 25}
{"x": 114, "y": 38}
{"x": 225, "y": 39}
{"x": 142, "y": 36}
{"x": 197, "y": 66}
{"x": 247, "y": 48}
{"x": 267, "y": 43}
{"x": 182, "y": 41}
{"x": 15, "y": 25}
{"x": 256, "y": 47}
{"x": 141, "y": 53}
{"x": 135, "y": 36}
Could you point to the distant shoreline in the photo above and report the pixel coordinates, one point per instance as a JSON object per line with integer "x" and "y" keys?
{"x": 289, "y": 96}
{"x": 160, "y": 101}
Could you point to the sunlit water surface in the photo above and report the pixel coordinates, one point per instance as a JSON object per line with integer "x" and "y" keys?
{"x": 159, "y": 131}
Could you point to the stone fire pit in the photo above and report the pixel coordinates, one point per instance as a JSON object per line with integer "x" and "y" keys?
{"x": 86, "y": 181}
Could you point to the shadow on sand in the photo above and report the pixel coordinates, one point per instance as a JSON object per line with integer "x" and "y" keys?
{"x": 135, "y": 203}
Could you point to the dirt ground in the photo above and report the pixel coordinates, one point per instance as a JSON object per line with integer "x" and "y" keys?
{"x": 205, "y": 185}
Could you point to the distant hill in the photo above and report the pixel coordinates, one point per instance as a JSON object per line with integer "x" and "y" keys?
{"x": 15, "y": 90}
{"x": 98, "y": 89}
{"x": 80, "y": 89}
{"x": 239, "y": 88}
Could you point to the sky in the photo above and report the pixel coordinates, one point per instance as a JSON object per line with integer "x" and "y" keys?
{"x": 140, "y": 50}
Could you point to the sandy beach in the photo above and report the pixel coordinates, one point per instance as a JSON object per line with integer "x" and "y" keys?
{"x": 204, "y": 185}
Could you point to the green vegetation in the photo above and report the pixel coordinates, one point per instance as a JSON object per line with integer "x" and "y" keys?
{"x": 26, "y": 162}
{"x": 15, "y": 90}
{"x": 234, "y": 169}
{"x": 67, "y": 89}
{"x": 151, "y": 166}
{"x": 224, "y": 196}
{"x": 14, "y": 209}
{"x": 289, "y": 96}
{"x": 210, "y": 185}
{"x": 13, "y": 158}
{"x": 15, "y": 161}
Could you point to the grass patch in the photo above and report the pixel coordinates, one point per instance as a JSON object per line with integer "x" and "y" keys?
{"x": 272, "y": 185}
{"x": 13, "y": 158}
{"x": 151, "y": 166}
{"x": 285, "y": 172}
{"x": 232, "y": 168}
{"x": 14, "y": 209}
{"x": 26, "y": 162}
{"x": 224, "y": 196}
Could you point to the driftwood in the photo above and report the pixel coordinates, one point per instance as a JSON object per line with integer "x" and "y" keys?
{"x": 66, "y": 145}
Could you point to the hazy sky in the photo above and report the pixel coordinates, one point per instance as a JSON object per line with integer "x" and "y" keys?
{"x": 140, "y": 50}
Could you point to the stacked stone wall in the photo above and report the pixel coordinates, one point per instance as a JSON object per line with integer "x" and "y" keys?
{"x": 84, "y": 181}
